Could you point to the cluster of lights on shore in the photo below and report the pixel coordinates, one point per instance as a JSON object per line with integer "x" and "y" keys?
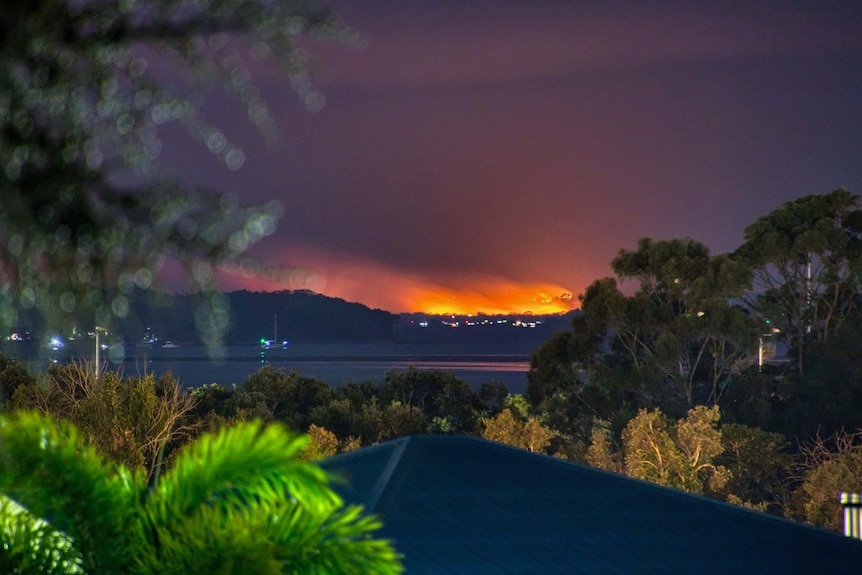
{"x": 56, "y": 343}
{"x": 453, "y": 321}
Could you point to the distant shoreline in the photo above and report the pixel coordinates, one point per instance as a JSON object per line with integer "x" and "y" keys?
{"x": 468, "y": 358}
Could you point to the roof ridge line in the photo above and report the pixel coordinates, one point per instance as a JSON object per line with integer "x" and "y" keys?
{"x": 386, "y": 475}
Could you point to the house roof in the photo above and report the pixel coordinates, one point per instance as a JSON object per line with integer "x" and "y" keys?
{"x": 466, "y": 505}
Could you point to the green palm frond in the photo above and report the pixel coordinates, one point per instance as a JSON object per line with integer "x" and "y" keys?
{"x": 237, "y": 466}
{"x": 239, "y": 501}
{"x": 310, "y": 543}
{"x": 213, "y": 540}
{"x": 235, "y": 502}
{"x": 47, "y": 468}
{"x": 278, "y": 538}
{"x": 29, "y": 545}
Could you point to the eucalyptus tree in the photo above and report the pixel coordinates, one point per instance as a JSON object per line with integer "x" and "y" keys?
{"x": 679, "y": 454}
{"x": 526, "y": 432}
{"x": 572, "y": 390}
{"x": 87, "y": 211}
{"x": 682, "y": 326}
{"x": 806, "y": 260}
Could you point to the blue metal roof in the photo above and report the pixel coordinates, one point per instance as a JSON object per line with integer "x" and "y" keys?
{"x": 466, "y": 505}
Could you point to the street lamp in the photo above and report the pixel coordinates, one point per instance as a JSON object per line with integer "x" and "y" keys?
{"x": 98, "y": 347}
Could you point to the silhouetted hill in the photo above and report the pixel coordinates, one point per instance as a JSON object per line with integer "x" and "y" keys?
{"x": 305, "y": 316}
{"x": 299, "y": 315}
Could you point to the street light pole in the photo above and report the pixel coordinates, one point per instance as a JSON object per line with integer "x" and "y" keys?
{"x": 98, "y": 347}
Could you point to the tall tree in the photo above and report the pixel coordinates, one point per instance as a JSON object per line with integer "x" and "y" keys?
{"x": 681, "y": 324}
{"x": 87, "y": 213}
{"x": 572, "y": 390}
{"x": 806, "y": 258}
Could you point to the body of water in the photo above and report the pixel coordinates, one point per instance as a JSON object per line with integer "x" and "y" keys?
{"x": 333, "y": 363}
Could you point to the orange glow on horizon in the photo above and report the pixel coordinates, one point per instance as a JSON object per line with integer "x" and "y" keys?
{"x": 382, "y": 287}
{"x": 498, "y": 299}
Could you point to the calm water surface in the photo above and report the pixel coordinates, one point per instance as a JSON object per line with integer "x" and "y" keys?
{"x": 335, "y": 364}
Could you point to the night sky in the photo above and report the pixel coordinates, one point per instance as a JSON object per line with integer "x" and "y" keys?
{"x": 483, "y": 156}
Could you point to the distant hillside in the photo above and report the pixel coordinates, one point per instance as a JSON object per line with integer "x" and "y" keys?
{"x": 305, "y": 316}
{"x": 299, "y": 315}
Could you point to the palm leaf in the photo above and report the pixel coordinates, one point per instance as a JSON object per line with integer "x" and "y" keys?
{"x": 235, "y": 502}
{"x": 314, "y": 543}
{"x": 46, "y": 467}
{"x": 29, "y": 545}
{"x": 239, "y": 501}
{"x": 236, "y": 466}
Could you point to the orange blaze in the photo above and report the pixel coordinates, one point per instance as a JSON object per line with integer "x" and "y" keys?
{"x": 492, "y": 299}
{"x": 382, "y": 287}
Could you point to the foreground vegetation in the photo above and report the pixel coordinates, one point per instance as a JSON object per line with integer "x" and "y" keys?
{"x": 144, "y": 424}
{"x": 235, "y": 501}
{"x": 664, "y": 375}
{"x": 670, "y": 374}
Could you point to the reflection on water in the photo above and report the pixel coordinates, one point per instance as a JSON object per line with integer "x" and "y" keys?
{"x": 335, "y": 364}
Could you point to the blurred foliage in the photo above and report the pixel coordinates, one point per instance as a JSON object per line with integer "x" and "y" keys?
{"x": 236, "y": 501}
{"x": 88, "y": 213}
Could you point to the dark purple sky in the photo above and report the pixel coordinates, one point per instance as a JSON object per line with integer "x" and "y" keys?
{"x": 490, "y": 151}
